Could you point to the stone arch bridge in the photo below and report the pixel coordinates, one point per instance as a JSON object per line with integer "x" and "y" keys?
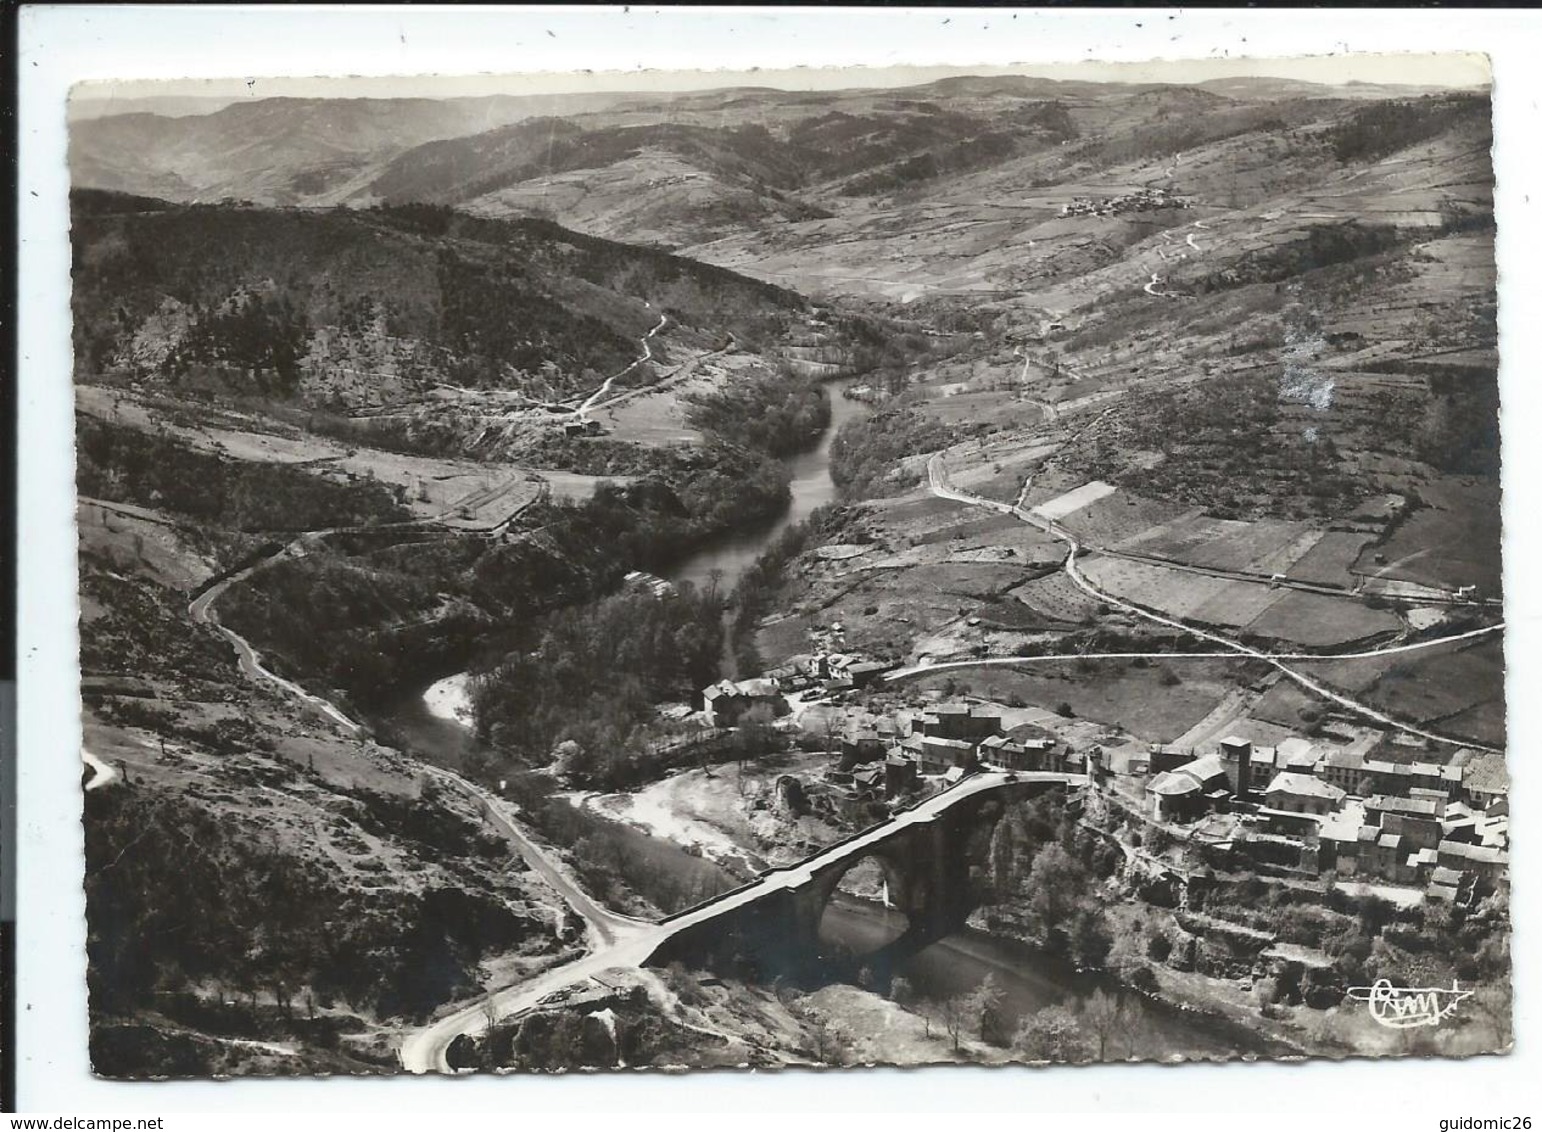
{"x": 772, "y": 925}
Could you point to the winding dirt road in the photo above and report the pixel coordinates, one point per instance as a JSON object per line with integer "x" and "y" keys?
{"x": 606, "y": 928}
{"x": 612, "y": 937}
{"x": 201, "y": 610}
{"x": 647, "y": 356}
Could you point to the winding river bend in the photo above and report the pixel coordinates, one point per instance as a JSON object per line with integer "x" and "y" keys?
{"x": 811, "y": 487}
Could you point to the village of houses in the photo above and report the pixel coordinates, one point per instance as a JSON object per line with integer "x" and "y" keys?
{"x": 1372, "y": 810}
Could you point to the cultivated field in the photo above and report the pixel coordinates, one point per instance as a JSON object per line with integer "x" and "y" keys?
{"x": 1072, "y": 501}
{"x": 1311, "y": 620}
{"x": 1459, "y": 690}
{"x": 1137, "y": 699}
{"x": 1117, "y": 517}
{"x": 1056, "y": 598}
{"x": 459, "y": 490}
{"x": 1329, "y": 560}
{"x": 1452, "y": 541}
{"x": 1317, "y": 621}
{"x": 1265, "y": 546}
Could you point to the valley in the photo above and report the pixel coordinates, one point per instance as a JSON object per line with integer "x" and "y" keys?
{"x": 728, "y": 449}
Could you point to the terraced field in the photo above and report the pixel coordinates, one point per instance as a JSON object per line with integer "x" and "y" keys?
{"x": 1329, "y": 560}
{"x": 1072, "y": 501}
{"x": 1315, "y": 621}
{"x": 1262, "y": 547}
{"x": 1458, "y": 689}
{"x": 1452, "y": 541}
{"x": 1056, "y": 599}
{"x": 1309, "y": 620}
{"x": 1138, "y": 700}
{"x": 1121, "y": 516}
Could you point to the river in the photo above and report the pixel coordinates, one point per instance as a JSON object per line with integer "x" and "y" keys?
{"x": 811, "y": 487}
{"x": 432, "y": 731}
{"x": 1030, "y": 980}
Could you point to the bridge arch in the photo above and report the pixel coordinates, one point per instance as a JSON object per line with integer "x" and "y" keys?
{"x": 932, "y": 862}
{"x": 881, "y": 894}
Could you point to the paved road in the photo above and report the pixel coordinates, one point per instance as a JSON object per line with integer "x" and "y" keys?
{"x": 101, "y": 773}
{"x": 998, "y": 661}
{"x": 1432, "y": 597}
{"x": 1279, "y": 583}
{"x": 201, "y": 609}
{"x": 425, "y": 1050}
{"x": 606, "y": 928}
{"x": 938, "y": 481}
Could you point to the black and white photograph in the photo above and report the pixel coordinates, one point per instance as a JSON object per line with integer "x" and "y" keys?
{"x": 752, "y": 570}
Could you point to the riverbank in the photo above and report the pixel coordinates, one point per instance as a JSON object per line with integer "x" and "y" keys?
{"x": 450, "y": 700}
{"x": 726, "y": 821}
{"x": 719, "y": 563}
{"x": 728, "y": 814}
{"x": 1220, "y": 1006}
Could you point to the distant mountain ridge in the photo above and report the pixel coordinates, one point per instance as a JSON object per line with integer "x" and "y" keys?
{"x": 685, "y": 170}
{"x": 288, "y": 150}
{"x": 284, "y": 150}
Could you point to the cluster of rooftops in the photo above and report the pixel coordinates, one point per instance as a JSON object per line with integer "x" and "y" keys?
{"x": 819, "y": 673}
{"x": 1445, "y": 826}
{"x": 1365, "y": 806}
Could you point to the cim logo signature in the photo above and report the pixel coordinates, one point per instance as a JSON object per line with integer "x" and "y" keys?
{"x": 1402, "y": 1008}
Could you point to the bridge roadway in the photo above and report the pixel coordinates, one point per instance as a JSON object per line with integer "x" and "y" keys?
{"x": 426, "y": 1050}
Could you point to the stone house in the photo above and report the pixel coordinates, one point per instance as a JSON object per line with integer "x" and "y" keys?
{"x": 726, "y": 701}
{"x": 1302, "y": 794}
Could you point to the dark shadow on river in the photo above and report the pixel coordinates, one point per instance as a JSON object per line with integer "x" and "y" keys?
{"x": 1030, "y": 980}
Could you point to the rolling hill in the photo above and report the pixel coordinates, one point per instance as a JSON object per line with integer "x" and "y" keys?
{"x": 343, "y": 307}
{"x": 892, "y": 193}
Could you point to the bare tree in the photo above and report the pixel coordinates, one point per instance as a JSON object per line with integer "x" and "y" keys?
{"x": 1104, "y": 1015}
{"x": 954, "y": 1013}
{"x": 832, "y": 729}
{"x": 827, "y": 1042}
